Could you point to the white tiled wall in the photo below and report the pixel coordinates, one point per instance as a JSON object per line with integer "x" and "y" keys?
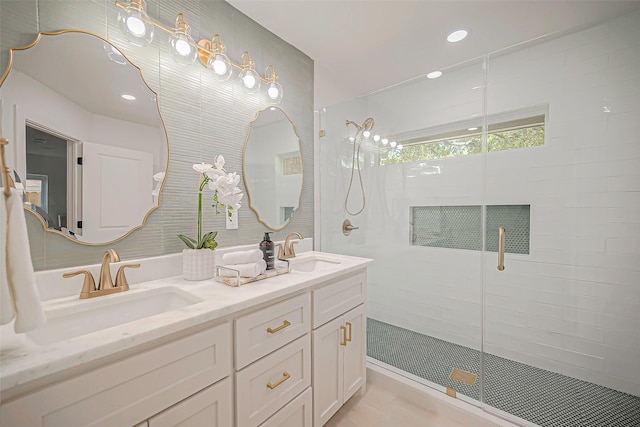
{"x": 573, "y": 304}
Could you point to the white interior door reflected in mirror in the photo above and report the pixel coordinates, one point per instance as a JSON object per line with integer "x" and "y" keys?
{"x": 272, "y": 168}
{"x": 113, "y": 177}
{"x": 70, "y": 89}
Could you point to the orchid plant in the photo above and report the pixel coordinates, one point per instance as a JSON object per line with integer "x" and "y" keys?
{"x": 226, "y": 196}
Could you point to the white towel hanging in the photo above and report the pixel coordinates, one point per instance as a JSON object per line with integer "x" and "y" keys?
{"x": 19, "y": 296}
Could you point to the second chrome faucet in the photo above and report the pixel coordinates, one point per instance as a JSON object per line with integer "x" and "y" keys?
{"x": 105, "y": 283}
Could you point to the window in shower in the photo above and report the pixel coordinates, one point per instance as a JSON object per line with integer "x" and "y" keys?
{"x": 460, "y": 227}
{"x": 505, "y": 131}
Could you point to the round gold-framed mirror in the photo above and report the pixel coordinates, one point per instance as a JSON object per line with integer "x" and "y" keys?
{"x": 272, "y": 167}
{"x": 90, "y": 148}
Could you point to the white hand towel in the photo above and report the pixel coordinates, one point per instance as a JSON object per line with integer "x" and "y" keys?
{"x": 251, "y": 269}
{"x": 242, "y": 257}
{"x": 18, "y": 291}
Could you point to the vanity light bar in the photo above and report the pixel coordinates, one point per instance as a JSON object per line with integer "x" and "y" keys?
{"x": 133, "y": 20}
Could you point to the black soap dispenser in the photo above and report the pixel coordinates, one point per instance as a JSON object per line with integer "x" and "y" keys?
{"x": 267, "y": 247}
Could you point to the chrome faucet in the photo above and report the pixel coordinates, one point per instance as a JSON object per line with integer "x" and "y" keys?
{"x": 288, "y": 251}
{"x": 105, "y": 284}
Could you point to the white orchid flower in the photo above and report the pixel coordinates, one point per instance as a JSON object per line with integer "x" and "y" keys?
{"x": 219, "y": 161}
{"x": 201, "y": 167}
{"x": 214, "y": 174}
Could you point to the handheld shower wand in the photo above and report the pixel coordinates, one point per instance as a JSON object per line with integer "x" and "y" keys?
{"x": 367, "y": 125}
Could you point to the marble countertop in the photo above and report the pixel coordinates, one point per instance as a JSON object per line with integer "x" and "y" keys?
{"x": 23, "y": 362}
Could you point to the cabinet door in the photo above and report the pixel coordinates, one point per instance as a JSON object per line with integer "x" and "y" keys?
{"x": 328, "y": 388}
{"x": 210, "y": 407}
{"x": 355, "y": 351}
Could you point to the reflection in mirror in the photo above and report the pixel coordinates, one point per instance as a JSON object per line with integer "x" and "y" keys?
{"x": 272, "y": 168}
{"x": 91, "y": 147}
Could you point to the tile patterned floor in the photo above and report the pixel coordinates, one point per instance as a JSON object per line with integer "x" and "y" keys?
{"x": 513, "y": 387}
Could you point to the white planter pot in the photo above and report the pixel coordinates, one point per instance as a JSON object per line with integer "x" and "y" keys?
{"x": 198, "y": 264}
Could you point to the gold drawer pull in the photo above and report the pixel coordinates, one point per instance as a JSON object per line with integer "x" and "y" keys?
{"x": 348, "y": 339}
{"x": 285, "y": 376}
{"x": 344, "y": 335}
{"x": 279, "y": 328}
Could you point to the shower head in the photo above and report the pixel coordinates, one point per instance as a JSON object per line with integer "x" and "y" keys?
{"x": 366, "y": 125}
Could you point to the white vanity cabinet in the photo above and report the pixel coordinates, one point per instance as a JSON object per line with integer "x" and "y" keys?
{"x": 339, "y": 345}
{"x": 287, "y": 355}
{"x": 273, "y": 358}
{"x": 133, "y": 389}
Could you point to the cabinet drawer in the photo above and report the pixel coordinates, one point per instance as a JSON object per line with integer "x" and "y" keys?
{"x": 211, "y": 407}
{"x": 297, "y": 413}
{"x": 129, "y": 390}
{"x": 268, "y": 384}
{"x": 333, "y": 300}
{"x": 263, "y": 331}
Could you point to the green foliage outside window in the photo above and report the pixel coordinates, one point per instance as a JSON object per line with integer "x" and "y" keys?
{"x": 496, "y": 141}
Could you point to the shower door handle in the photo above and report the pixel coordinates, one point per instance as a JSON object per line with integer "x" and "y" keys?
{"x": 501, "y": 233}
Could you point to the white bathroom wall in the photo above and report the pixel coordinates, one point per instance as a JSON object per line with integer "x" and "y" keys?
{"x": 573, "y": 304}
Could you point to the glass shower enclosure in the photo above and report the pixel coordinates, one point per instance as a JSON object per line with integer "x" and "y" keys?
{"x": 502, "y": 209}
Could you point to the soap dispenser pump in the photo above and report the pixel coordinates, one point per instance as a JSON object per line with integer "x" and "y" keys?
{"x": 268, "y": 250}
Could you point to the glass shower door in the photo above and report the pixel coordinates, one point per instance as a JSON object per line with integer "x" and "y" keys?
{"x": 421, "y": 222}
{"x": 561, "y": 321}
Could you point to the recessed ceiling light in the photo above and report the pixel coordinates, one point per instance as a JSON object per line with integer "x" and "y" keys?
{"x": 128, "y": 97}
{"x": 457, "y": 35}
{"x": 474, "y": 128}
{"x": 434, "y": 74}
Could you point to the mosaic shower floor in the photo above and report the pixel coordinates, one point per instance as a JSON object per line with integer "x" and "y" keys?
{"x": 536, "y": 395}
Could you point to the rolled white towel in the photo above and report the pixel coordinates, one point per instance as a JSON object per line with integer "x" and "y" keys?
{"x": 251, "y": 269}
{"x": 242, "y": 257}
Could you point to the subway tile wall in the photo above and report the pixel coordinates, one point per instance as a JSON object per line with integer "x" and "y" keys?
{"x": 203, "y": 117}
{"x": 572, "y": 305}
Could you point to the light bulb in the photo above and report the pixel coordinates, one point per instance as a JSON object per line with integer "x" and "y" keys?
{"x": 221, "y": 66}
{"x": 366, "y": 134}
{"x": 399, "y": 147}
{"x": 274, "y": 92}
{"x": 135, "y": 24}
{"x": 184, "y": 51}
{"x": 392, "y": 144}
{"x": 385, "y": 141}
{"x": 183, "y": 47}
{"x": 250, "y": 80}
{"x": 376, "y": 138}
{"x": 248, "y": 76}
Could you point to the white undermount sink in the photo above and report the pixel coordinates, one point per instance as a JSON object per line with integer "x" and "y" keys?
{"x": 312, "y": 262}
{"x": 72, "y": 317}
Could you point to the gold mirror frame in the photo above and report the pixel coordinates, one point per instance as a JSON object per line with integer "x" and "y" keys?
{"x": 244, "y": 169}
{"x": 153, "y": 207}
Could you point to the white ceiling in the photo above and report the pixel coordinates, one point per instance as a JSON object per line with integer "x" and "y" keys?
{"x": 361, "y": 46}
